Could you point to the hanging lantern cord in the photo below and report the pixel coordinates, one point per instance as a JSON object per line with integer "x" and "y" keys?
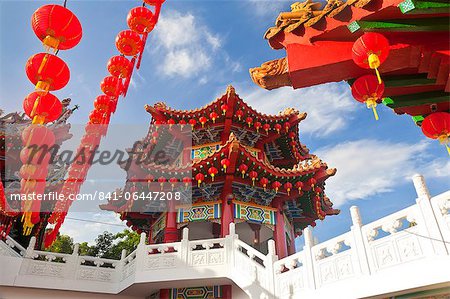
{"x": 372, "y": 104}
{"x": 65, "y": 3}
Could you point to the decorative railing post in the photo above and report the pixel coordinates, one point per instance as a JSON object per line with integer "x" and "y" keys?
{"x": 120, "y": 266}
{"x": 184, "y": 247}
{"x": 358, "y": 242}
{"x": 308, "y": 278}
{"x": 30, "y": 249}
{"x": 271, "y": 258}
{"x": 141, "y": 253}
{"x": 73, "y": 262}
{"x": 230, "y": 248}
{"x": 428, "y": 215}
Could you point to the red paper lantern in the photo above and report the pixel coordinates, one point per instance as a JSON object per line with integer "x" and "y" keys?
{"x": 47, "y": 72}
{"x": 437, "y": 126}
{"x": 370, "y": 51}
{"x": 249, "y": 121}
{"x": 128, "y": 43}
{"x": 161, "y": 181}
{"x": 224, "y": 108}
{"x": 264, "y": 182}
{"x": 29, "y": 156}
{"x": 312, "y": 182}
{"x": 287, "y": 126}
{"x": 200, "y": 177}
{"x": 192, "y": 122}
{"x": 276, "y": 185}
{"x": 253, "y": 175}
{"x": 187, "y": 181}
{"x": 367, "y": 89}
{"x": 171, "y": 122}
{"x": 213, "y": 116}
{"x": 278, "y": 128}
{"x": 96, "y": 117}
{"x": 42, "y": 109}
{"x": 140, "y": 19}
{"x": 292, "y": 135}
{"x": 299, "y": 186}
{"x": 173, "y": 181}
{"x": 257, "y": 125}
{"x": 203, "y": 120}
{"x": 102, "y": 103}
{"x": 239, "y": 114}
{"x": 266, "y": 128}
{"x": 119, "y": 66}
{"x": 212, "y": 171}
{"x": 243, "y": 169}
{"x": 37, "y": 135}
{"x": 288, "y": 187}
{"x": 111, "y": 86}
{"x": 225, "y": 163}
{"x": 57, "y": 27}
{"x": 33, "y": 172}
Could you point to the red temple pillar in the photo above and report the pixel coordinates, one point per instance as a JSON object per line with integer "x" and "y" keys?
{"x": 227, "y": 206}
{"x": 226, "y": 292}
{"x": 171, "y": 231}
{"x": 291, "y": 248}
{"x": 164, "y": 294}
{"x": 279, "y": 234}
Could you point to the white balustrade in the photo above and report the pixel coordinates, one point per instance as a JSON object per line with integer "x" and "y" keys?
{"x": 417, "y": 233}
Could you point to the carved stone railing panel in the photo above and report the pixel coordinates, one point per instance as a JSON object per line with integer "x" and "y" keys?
{"x": 401, "y": 244}
{"x": 390, "y": 244}
{"x": 207, "y": 253}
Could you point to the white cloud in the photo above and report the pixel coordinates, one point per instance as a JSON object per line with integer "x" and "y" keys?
{"x": 368, "y": 167}
{"x": 329, "y": 106}
{"x": 185, "y": 62}
{"x": 187, "y": 45}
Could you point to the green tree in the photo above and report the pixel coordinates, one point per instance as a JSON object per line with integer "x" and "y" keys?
{"x": 62, "y": 244}
{"x": 127, "y": 240}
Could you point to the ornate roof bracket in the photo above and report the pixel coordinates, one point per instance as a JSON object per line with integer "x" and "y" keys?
{"x": 272, "y": 74}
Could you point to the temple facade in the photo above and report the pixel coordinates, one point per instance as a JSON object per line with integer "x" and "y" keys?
{"x": 246, "y": 168}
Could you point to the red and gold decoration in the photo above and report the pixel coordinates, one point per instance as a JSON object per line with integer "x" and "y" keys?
{"x": 437, "y": 126}
{"x": 131, "y": 43}
{"x": 58, "y": 29}
{"x": 370, "y": 51}
{"x": 367, "y": 89}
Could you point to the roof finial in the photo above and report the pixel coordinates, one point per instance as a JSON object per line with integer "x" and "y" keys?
{"x": 230, "y": 91}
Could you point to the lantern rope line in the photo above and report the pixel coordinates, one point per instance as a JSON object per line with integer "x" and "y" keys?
{"x": 98, "y": 117}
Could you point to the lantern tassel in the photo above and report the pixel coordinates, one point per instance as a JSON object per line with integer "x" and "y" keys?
{"x": 128, "y": 79}
{"x": 448, "y": 149}
{"x": 144, "y": 41}
{"x": 375, "y": 112}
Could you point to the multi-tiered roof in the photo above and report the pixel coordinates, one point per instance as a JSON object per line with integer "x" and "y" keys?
{"x": 277, "y": 165}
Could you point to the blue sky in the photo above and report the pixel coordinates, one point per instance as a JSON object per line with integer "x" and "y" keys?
{"x": 198, "y": 48}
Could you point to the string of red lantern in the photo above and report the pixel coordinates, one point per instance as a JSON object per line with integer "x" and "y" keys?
{"x": 130, "y": 43}
{"x": 58, "y": 29}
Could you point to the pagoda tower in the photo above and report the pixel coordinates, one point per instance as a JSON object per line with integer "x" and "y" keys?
{"x": 246, "y": 167}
